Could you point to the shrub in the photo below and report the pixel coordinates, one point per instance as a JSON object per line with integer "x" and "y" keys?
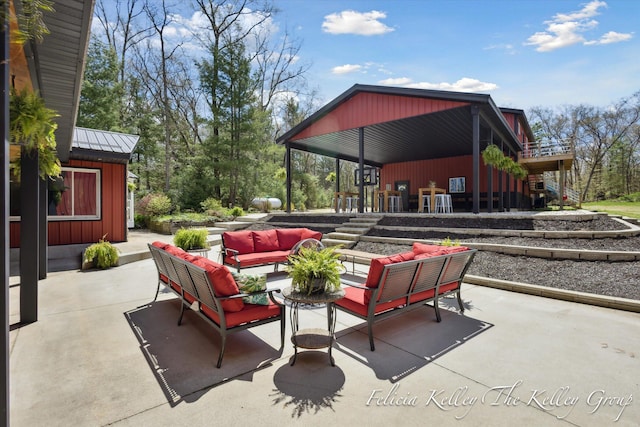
{"x": 191, "y": 238}
{"x": 159, "y": 205}
{"x": 237, "y": 211}
{"x": 103, "y": 254}
{"x": 212, "y": 207}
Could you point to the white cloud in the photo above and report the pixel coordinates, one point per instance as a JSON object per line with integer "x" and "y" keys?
{"x": 566, "y": 29}
{"x": 345, "y": 69}
{"x": 400, "y": 81}
{"x": 611, "y": 37}
{"x": 352, "y": 22}
{"x": 465, "y": 84}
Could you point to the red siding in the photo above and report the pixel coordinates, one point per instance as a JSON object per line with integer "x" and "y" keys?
{"x": 420, "y": 172}
{"x": 113, "y": 220}
{"x": 371, "y": 108}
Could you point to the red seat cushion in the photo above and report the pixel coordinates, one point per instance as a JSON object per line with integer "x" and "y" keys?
{"x": 241, "y": 241}
{"x": 248, "y": 260}
{"x": 356, "y": 300}
{"x": 249, "y": 313}
{"x": 288, "y": 237}
{"x": 448, "y": 287}
{"x": 265, "y": 241}
{"x": 222, "y": 282}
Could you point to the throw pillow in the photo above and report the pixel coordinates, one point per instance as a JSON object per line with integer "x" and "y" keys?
{"x": 249, "y": 283}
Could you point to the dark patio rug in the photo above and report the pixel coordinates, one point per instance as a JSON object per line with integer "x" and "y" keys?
{"x": 183, "y": 358}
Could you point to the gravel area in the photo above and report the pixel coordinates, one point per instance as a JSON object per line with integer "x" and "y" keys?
{"x": 619, "y": 279}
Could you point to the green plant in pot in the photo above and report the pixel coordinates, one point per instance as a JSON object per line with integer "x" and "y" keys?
{"x": 315, "y": 271}
{"x": 191, "y": 239}
{"x": 102, "y": 254}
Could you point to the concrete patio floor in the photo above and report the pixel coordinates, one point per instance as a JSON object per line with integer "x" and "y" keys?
{"x": 100, "y": 354}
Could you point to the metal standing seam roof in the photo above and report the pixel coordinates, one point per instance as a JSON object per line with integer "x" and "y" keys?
{"x": 445, "y": 133}
{"x": 57, "y": 64}
{"x": 92, "y": 144}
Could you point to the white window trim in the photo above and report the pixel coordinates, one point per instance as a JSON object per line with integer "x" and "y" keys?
{"x": 98, "y": 215}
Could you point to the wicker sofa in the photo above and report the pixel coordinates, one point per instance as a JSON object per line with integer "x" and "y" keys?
{"x": 404, "y": 281}
{"x": 213, "y": 287}
{"x": 250, "y": 248}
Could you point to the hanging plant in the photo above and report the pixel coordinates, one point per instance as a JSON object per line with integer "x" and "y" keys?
{"x": 32, "y": 126}
{"x": 492, "y": 155}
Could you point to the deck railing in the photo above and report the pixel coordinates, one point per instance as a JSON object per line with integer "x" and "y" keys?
{"x": 546, "y": 148}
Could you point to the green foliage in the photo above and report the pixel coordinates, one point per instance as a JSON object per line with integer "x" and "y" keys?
{"x": 633, "y": 197}
{"x": 154, "y": 205}
{"x": 191, "y": 238}
{"x": 212, "y": 206}
{"x": 237, "y": 211}
{"x": 140, "y": 221}
{"x": 103, "y": 254}
{"x": 33, "y": 126}
{"x": 448, "y": 242}
{"x": 31, "y": 21}
{"x": 310, "y": 265}
{"x": 102, "y": 92}
{"x": 492, "y": 155}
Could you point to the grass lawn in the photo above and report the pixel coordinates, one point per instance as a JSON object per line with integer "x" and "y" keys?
{"x": 615, "y": 207}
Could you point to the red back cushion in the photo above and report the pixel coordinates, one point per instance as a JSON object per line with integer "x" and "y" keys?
{"x": 159, "y": 244}
{"x": 265, "y": 241}
{"x": 241, "y": 241}
{"x": 310, "y": 234}
{"x": 434, "y": 250}
{"x": 288, "y": 237}
{"x": 377, "y": 266}
{"x": 223, "y": 283}
{"x": 175, "y": 251}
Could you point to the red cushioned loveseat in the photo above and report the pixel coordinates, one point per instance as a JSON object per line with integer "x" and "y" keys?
{"x": 213, "y": 287}
{"x": 249, "y": 248}
{"x": 401, "y": 281}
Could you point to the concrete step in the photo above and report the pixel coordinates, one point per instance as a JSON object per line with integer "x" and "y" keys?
{"x": 343, "y": 236}
{"x": 216, "y": 230}
{"x": 352, "y": 230}
{"x": 347, "y": 244}
{"x": 233, "y": 225}
{"x": 365, "y": 220}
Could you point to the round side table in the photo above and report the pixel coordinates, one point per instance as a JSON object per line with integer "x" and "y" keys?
{"x": 312, "y": 338}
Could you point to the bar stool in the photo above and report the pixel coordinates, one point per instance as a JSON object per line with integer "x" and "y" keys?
{"x": 395, "y": 204}
{"x": 443, "y": 203}
{"x": 426, "y": 202}
{"x": 352, "y": 203}
{"x": 339, "y": 202}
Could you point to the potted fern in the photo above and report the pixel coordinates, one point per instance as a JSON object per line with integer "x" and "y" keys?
{"x": 191, "y": 239}
{"x": 102, "y": 255}
{"x": 315, "y": 271}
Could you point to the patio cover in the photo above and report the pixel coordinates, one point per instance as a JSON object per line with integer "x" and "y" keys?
{"x": 377, "y": 125}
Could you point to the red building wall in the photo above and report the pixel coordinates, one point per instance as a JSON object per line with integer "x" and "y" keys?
{"x": 112, "y": 222}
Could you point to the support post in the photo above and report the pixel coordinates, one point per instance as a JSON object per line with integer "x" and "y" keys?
{"x": 29, "y": 236}
{"x": 361, "y": 170}
{"x": 287, "y": 165}
{"x": 4, "y": 210}
{"x": 475, "y": 117}
{"x": 43, "y": 241}
{"x": 561, "y": 184}
{"x": 336, "y": 200}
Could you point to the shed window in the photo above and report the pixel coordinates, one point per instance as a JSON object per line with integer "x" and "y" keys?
{"x": 76, "y": 195}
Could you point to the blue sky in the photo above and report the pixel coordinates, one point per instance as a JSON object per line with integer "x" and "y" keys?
{"x": 524, "y": 53}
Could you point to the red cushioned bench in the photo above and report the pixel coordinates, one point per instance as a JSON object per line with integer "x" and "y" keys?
{"x": 249, "y": 248}
{"x": 405, "y": 280}
{"x": 213, "y": 287}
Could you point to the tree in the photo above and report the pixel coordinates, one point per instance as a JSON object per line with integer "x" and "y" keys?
{"x": 102, "y": 93}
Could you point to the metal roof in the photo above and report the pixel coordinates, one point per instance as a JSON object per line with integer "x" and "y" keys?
{"x": 445, "y": 133}
{"x": 57, "y": 64}
{"x": 91, "y": 144}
